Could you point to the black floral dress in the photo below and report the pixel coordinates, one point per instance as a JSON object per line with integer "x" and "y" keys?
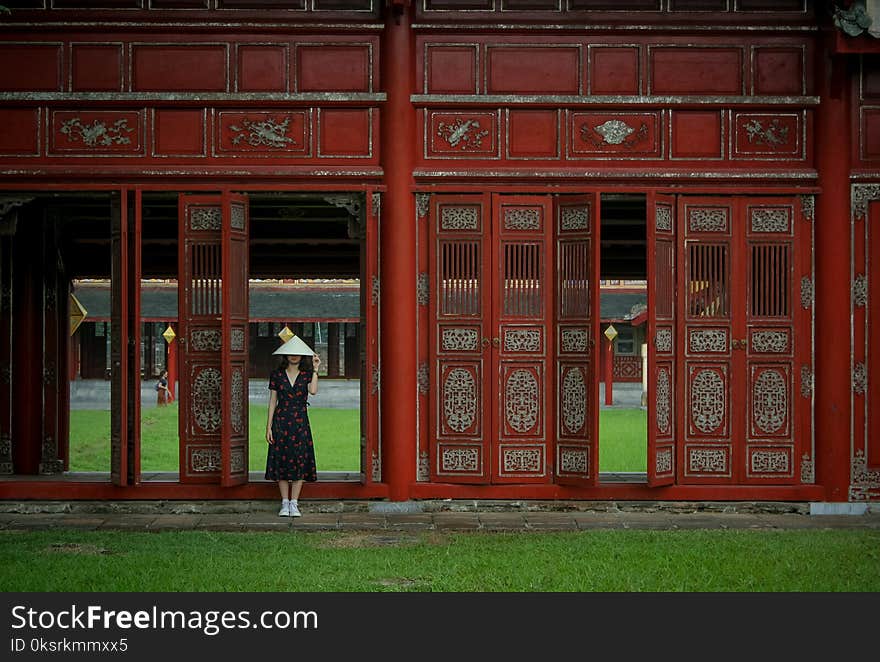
{"x": 292, "y": 455}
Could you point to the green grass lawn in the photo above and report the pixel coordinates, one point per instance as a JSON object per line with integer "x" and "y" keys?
{"x": 814, "y": 560}
{"x": 336, "y": 433}
{"x": 622, "y": 445}
{"x": 623, "y": 440}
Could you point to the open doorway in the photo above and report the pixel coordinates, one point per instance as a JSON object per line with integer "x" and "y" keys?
{"x": 623, "y": 290}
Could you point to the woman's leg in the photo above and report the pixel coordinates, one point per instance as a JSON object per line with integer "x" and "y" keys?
{"x": 282, "y": 488}
{"x": 295, "y": 487}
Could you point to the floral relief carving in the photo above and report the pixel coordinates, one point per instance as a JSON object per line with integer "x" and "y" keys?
{"x": 206, "y": 460}
{"x": 205, "y": 340}
{"x": 663, "y": 339}
{"x": 268, "y": 133}
{"x": 97, "y": 134}
{"x": 465, "y": 133}
{"x": 663, "y": 218}
{"x": 236, "y": 410}
{"x": 772, "y": 135}
{"x": 710, "y": 340}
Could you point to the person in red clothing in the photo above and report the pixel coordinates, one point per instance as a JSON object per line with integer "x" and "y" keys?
{"x": 291, "y": 456}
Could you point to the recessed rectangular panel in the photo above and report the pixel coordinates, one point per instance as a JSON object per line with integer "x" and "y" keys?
{"x": 96, "y": 67}
{"x": 333, "y": 68}
{"x": 770, "y": 462}
{"x": 694, "y": 70}
{"x": 178, "y": 68}
{"x": 345, "y": 132}
{"x": 708, "y": 403}
{"x": 615, "y": 70}
{"x": 533, "y": 134}
{"x": 695, "y": 134}
{"x": 779, "y": 71}
{"x": 451, "y": 69}
{"x": 178, "y": 132}
{"x": 521, "y": 460}
{"x": 21, "y": 131}
{"x": 709, "y": 461}
{"x": 770, "y": 401}
{"x": 34, "y": 67}
{"x": 262, "y": 68}
{"x": 533, "y": 70}
{"x": 870, "y": 133}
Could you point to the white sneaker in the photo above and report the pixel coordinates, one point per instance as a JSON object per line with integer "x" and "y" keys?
{"x": 285, "y": 509}
{"x": 294, "y": 510}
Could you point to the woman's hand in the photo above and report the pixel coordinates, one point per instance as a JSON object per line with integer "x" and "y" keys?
{"x": 269, "y": 438}
{"x": 316, "y": 362}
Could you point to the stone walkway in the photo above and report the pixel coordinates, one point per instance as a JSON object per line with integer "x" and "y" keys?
{"x": 419, "y": 516}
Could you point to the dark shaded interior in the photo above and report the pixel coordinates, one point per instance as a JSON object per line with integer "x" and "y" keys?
{"x": 623, "y": 236}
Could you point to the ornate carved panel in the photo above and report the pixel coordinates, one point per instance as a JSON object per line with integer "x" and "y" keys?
{"x": 205, "y": 340}
{"x": 205, "y": 392}
{"x": 770, "y": 219}
{"x": 264, "y": 133}
{"x": 707, "y": 461}
{"x": 574, "y": 340}
{"x": 705, "y": 341}
{"x": 205, "y": 219}
{"x": 97, "y": 132}
{"x": 775, "y": 341}
{"x": 701, "y": 219}
{"x": 236, "y": 342}
{"x": 663, "y": 339}
{"x": 523, "y": 340}
{"x": 574, "y": 398}
{"x": 517, "y": 460}
{"x": 614, "y": 136}
{"x": 575, "y": 219}
{"x": 459, "y": 218}
{"x": 770, "y": 400}
{"x": 574, "y": 460}
{"x": 459, "y": 399}
{"x": 461, "y": 135}
{"x": 708, "y": 397}
{"x": 663, "y": 399}
{"x": 205, "y": 459}
{"x": 521, "y": 403}
{"x": 238, "y": 401}
{"x": 664, "y": 461}
{"x": 458, "y": 459}
{"x": 770, "y": 461}
{"x": 458, "y": 339}
{"x": 519, "y": 218}
{"x": 663, "y": 218}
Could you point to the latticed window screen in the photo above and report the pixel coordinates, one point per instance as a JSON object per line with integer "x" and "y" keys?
{"x": 522, "y": 296}
{"x": 708, "y": 282}
{"x": 206, "y": 280}
{"x": 574, "y": 279}
{"x": 770, "y": 267}
{"x": 459, "y": 278}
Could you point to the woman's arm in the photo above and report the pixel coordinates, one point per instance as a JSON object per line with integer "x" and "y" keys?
{"x": 313, "y": 384}
{"x": 273, "y": 400}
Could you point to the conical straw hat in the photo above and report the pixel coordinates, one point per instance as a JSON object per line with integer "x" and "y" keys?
{"x": 294, "y": 347}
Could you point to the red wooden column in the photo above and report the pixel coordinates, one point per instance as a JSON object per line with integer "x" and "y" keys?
{"x": 833, "y": 382}
{"x": 397, "y": 266}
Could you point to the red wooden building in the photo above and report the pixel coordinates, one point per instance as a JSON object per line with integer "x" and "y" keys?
{"x": 479, "y": 166}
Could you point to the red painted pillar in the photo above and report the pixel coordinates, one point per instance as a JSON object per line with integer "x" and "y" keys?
{"x": 833, "y": 381}
{"x": 397, "y": 266}
{"x": 609, "y": 372}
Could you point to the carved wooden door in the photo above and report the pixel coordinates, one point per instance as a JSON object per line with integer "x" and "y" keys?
{"x": 213, "y": 316}
{"x": 522, "y": 314}
{"x": 460, "y": 314}
{"x": 493, "y": 385}
{"x": 661, "y": 340}
{"x": 576, "y": 329}
{"x": 739, "y": 306}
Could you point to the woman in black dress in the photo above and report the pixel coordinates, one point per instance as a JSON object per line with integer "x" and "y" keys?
{"x": 291, "y": 458}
